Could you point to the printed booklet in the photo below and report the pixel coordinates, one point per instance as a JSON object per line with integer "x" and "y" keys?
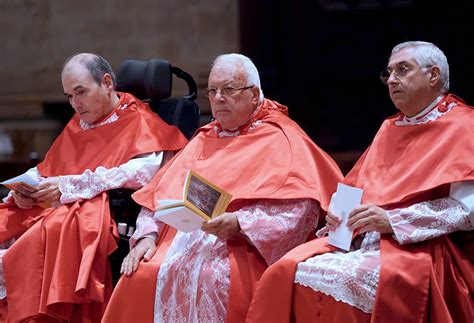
{"x": 202, "y": 200}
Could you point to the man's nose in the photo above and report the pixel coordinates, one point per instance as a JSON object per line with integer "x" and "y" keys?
{"x": 76, "y": 104}
{"x": 392, "y": 78}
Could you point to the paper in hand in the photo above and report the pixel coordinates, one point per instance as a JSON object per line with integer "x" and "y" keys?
{"x": 346, "y": 199}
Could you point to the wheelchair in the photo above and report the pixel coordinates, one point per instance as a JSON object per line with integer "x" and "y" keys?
{"x": 152, "y": 82}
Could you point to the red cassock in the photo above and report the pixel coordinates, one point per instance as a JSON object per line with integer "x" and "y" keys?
{"x": 59, "y": 265}
{"x": 430, "y": 281}
{"x": 275, "y": 161}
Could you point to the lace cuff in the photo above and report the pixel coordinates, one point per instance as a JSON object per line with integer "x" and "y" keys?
{"x": 463, "y": 192}
{"x": 146, "y": 225}
{"x": 428, "y": 220}
{"x": 276, "y": 226}
{"x": 133, "y": 174}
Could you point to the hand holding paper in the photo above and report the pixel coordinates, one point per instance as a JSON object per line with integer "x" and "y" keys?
{"x": 369, "y": 217}
{"x": 346, "y": 199}
{"x": 224, "y": 226}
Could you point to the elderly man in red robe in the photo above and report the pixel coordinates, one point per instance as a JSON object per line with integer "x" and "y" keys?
{"x": 412, "y": 257}
{"x": 56, "y": 267}
{"x": 280, "y": 182}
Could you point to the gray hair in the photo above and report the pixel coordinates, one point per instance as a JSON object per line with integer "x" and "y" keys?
{"x": 428, "y": 54}
{"x": 95, "y": 64}
{"x": 253, "y": 77}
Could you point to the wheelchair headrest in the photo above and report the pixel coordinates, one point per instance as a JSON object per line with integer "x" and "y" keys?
{"x": 145, "y": 79}
{"x": 152, "y": 79}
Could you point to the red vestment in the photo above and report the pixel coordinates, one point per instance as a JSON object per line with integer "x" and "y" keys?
{"x": 59, "y": 264}
{"x": 426, "y": 281}
{"x": 272, "y": 158}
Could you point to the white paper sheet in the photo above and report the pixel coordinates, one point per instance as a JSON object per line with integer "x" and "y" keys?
{"x": 346, "y": 199}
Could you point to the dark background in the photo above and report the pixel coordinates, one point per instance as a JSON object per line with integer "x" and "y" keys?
{"x": 323, "y": 58}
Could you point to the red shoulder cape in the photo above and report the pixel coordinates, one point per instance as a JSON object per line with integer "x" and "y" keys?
{"x": 404, "y": 161}
{"x": 60, "y": 262}
{"x": 138, "y": 130}
{"x": 275, "y": 161}
{"x": 404, "y": 165}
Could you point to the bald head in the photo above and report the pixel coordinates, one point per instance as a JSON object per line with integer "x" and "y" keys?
{"x": 95, "y": 64}
{"x": 89, "y": 85}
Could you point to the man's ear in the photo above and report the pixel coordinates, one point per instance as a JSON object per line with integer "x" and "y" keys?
{"x": 256, "y": 94}
{"x": 108, "y": 82}
{"x": 435, "y": 75}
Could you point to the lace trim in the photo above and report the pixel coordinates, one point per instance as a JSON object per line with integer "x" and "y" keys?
{"x": 194, "y": 280}
{"x": 350, "y": 277}
{"x": 134, "y": 175}
{"x": 428, "y": 220}
{"x": 146, "y": 224}
{"x": 276, "y": 227}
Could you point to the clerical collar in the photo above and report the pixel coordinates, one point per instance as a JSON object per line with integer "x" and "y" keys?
{"x": 425, "y": 110}
{"x": 246, "y": 122}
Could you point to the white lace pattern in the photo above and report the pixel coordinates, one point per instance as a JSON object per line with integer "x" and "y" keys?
{"x": 352, "y": 277}
{"x": 194, "y": 279}
{"x": 428, "y": 220}
{"x": 133, "y": 174}
{"x": 146, "y": 224}
{"x": 280, "y": 227}
{"x": 348, "y": 277}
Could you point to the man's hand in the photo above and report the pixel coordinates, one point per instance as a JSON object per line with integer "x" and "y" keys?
{"x": 144, "y": 249}
{"x": 332, "y": 221}
{"x": 22, "y": 201}
{"x": 369, "y": 217}
{"x": 48, "y": 191}
{"x": 224, "y": 226}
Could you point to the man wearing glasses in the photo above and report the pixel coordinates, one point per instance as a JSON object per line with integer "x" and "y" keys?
{"x": 279, "y": 181}
{"x": 411, "y": 254}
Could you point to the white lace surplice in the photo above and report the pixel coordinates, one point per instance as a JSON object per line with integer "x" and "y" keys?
{"x": 353, "y": 277}
{"x": 194, "y": 279}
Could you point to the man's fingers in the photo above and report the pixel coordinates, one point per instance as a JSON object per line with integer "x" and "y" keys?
{"x": 212, "y": 223}
{"x": 149, "y": 253}
{"x": 357, "y": 217}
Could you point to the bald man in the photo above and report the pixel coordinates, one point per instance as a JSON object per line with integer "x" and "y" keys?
{"x": 56, "y": 265}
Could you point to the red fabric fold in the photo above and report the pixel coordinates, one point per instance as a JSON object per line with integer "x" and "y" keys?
{"x": 59, "y": 265}
{"x": 430, "y": 281}
{"x": 272, "y": 158}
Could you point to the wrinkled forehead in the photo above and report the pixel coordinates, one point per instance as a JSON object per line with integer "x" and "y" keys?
{"x": 223, "y": 73}
{"x": 403, "y": 56}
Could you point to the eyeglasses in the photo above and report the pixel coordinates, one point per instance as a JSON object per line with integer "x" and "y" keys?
{"x": 225, "y": 91}
{"x": 399, "y": 71}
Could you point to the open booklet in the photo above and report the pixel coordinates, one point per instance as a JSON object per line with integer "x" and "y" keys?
{"x": 202, "y": 200}
{"x": 346, "y": 199}
{"x": 25, "y": 185}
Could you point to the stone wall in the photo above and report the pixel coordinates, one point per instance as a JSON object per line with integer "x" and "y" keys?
{"x": 37, "y": 36}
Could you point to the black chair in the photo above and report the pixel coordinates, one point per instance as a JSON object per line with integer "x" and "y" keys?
{"x": 152, "y": 82}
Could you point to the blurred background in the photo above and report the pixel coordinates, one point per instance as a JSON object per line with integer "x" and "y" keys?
{"x": 321, "y": 58}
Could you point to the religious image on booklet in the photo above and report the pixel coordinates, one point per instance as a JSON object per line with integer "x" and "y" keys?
{"x": 202, "y": 200}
